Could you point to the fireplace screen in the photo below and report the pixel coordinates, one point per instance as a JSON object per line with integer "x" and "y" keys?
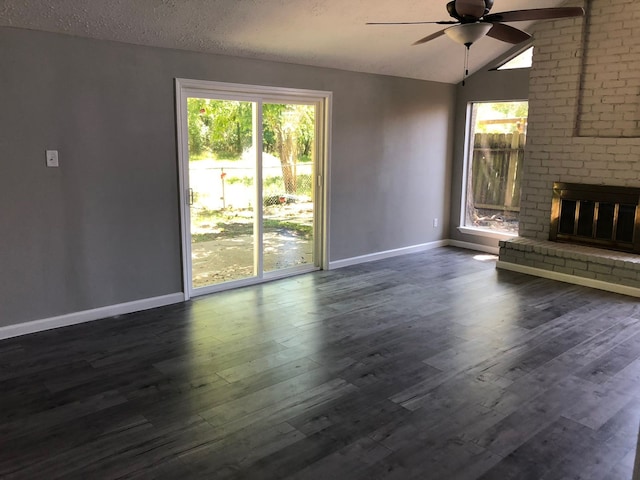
{"x": 596, "y": 215}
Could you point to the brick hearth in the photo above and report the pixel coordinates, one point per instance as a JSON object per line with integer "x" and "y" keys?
{"x": 618, "y": 268}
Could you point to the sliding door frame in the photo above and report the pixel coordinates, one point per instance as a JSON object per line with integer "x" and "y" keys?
{"x": 186, "y": 88}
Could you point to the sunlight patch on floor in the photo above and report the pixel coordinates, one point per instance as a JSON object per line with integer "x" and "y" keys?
{"x": 486, "y": 258}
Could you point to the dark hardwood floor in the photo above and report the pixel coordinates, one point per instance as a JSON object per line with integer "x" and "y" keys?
{"x": 427, "y": 366}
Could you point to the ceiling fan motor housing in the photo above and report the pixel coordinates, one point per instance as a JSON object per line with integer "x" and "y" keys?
{"x": 469, "y": 10}
{"x": 451, "y": 8}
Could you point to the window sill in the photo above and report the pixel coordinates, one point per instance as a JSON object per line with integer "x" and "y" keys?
{"x": 481, "y": 232}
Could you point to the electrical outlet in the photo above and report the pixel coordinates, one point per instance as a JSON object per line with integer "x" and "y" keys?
{"x": 435, "y": 223}
{"x": 52, "y": 158}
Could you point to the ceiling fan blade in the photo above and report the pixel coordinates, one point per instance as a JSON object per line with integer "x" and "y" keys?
{"x": 535, "y": 14}
{"x": 470, "y": 8}
{"x": 441, "y": 22}
{"x": 429, "y": 37}
{"x": 507, "y": 33}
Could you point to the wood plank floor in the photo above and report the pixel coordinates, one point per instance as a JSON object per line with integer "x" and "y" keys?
{"x": 426, "y": 366}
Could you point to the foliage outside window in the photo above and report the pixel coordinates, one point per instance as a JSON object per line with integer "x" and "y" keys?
{"x": 223, "y": 129}
{"x": 497, "y": 139}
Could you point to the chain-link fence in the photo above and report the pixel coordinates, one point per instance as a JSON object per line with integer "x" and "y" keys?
{"x": 221, "y": 188}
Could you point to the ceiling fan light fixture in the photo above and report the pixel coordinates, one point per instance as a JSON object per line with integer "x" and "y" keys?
{"x": 468, "y": 33}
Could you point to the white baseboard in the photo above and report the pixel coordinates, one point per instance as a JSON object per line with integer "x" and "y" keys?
{"x": 387, "y": 254}
{"x": 145, "y": 304}
{"x": 88, "y": 315}
{"x": 413, "y": 249}
{"x": 573, "y": 279}
{"x": 475, "y": 246}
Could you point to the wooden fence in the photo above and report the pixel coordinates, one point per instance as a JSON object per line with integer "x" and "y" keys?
{"x": 497, "y": 169}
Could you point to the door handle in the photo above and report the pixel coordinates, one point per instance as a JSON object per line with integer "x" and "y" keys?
{"x": 190, "y": 196}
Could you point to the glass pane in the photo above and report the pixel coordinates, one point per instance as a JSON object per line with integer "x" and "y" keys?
{"x": 604, "y": 228}
{"x": 498, "y": 137}
{"x": 523, "y": 60}
{"x": 585, "y": 220}
{"x": 626, "y": 223}
{"x": 288, "y": 174}
{"x": 222, "y": 165}
{"x": 567, "y": 217}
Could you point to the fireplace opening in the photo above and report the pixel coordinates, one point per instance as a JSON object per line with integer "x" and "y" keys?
{"x": 597, "y": 215}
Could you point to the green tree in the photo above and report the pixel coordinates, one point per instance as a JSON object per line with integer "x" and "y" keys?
{"x": 512, "y": 109}
{"x": 279, "y": 128}
{"x": 306, "y": 131}
{"x": 231, "y": 129}
{"x": 289, "y": 132}
{"x": 223, "y": 129}
{"x": 197, "y": 129}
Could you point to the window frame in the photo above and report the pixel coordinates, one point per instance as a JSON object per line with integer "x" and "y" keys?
{"x": 466, "y": 171}
{"x": 502, "y": 67}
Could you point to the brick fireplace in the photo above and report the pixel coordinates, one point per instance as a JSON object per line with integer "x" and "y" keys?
{"x": 584, "y": 128}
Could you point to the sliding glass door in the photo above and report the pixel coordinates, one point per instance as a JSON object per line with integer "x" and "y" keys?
{"x": 222, "y": 190}
{"x": 288, "y": 189}
{"x": 250, "y": 213}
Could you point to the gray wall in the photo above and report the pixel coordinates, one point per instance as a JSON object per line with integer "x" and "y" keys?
{"x": 103, "y": 228}
{"x": 485, "y": 85}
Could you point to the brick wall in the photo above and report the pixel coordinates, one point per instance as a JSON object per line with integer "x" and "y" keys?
{"x": 609, "y": 103}
{"x": 589, "y": 136}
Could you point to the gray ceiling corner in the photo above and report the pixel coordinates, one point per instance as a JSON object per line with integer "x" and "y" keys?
{"x": 324, "y": 33}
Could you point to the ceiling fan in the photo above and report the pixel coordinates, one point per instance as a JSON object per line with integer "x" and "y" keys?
{"x": 473, "y": 21}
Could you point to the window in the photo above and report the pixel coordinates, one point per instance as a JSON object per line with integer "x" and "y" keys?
{"x": 523, "y": 60}
{"x": 497, "y": 137}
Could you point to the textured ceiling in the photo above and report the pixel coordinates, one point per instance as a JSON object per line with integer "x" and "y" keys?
{"x": 327, "y": 33}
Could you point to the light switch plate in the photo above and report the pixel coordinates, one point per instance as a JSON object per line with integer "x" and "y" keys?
{"x": 52, "y": 158}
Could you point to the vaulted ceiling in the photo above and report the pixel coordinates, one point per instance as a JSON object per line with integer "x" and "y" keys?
{"x": 327, "y": 33}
